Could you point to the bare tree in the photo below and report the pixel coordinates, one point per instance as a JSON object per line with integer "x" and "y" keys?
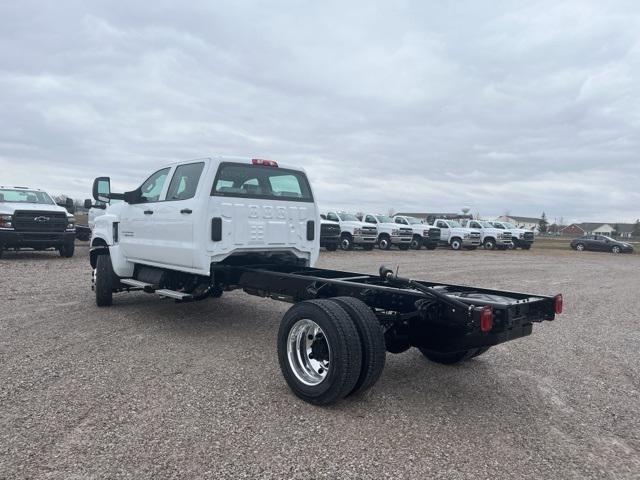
{"x": 391, "y": 212}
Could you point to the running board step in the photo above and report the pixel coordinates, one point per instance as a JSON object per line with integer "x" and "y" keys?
{"x": 132, "y": 282}
{"x": 173, "y": 294}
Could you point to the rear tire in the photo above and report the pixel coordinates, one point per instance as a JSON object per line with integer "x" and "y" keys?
{"x": 448, "y": 358}
{"x": 371, "y": 335}
{"x": 431, "y": 247}
{"x": 319, "y": 351}
{"x": 104, "y": 281}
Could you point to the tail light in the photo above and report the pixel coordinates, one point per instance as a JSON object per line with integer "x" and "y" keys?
{"x": 486, "y": 319}
{"x": 557, "y": 304}
{"x": 264, "y": 163}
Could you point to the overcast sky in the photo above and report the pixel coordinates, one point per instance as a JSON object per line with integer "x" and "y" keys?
{"x": 414, "y": 105}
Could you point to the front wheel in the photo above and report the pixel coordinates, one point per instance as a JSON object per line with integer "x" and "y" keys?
{"x": 319, "y": 351}
{"x": 449, "y": 358}
{"x": 489, "y": 244}
{"x": 346, "y": 243}
{"x": 104, "y": 281}
{"x": 416, "y": 243}
{"x": 456, "y": 244}
{"x": 67, "y": 250}
{"x": 384, "y": 243}
{"x": 580, "y": 247}
{"x": 615, "y": 249}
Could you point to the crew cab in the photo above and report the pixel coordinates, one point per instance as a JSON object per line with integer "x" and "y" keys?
{"x": 353, "y": 232}
{"x": 520, "y": 237}
{"x": 452, "y": 233}
{"x": 490, "y": 236}
{"x": 329, "y": 234}
{"x": 29, "y": 218}
{"x": 389, "y": 232}
{"x": 196, "y": 229}
{"x": 423, "y": 234}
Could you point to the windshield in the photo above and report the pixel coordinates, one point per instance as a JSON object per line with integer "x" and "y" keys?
{"x": 384, "y": 219}
{"x": 485, "y": 224}
{"x": 347, "y": 217}
{"x": 413, "y": 220}
{"x": 509, "y": 225}
{"x": 453, "y": 224}
{"x": 24, "y": 196}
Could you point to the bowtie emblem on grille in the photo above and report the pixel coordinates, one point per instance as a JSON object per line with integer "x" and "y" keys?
{"x": 41, "y": 219}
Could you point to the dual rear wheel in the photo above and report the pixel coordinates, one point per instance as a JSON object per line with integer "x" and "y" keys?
{"x": 331, "y": 348}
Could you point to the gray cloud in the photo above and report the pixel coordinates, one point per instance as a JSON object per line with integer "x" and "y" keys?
{"x": 521, "y": 107}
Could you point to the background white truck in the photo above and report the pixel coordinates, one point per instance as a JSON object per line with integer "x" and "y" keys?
{"x": 195, "y": 229}
{"x": 389, "y": 232}
{"x": 520, "y": 237}
{"x": 423, "y": 235}
{"x": 353, "y": 231}
{"x": 490, "y": 236}
{"x": 457, "y": 236}
{"x": 30, "y": 218}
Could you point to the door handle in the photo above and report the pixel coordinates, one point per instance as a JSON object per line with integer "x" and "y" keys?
{"x": 186, "y": 210}
{"x": 148, "y": 212}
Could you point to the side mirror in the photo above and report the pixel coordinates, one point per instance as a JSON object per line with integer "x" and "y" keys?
{"x": 102, "y": 189}
{"x": 68, "y": 203}
{"x": 134, "y": 196}
{"x": 323, "y": 216}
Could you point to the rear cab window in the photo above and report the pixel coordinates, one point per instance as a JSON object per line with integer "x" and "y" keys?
{"x": 259, "y": 181}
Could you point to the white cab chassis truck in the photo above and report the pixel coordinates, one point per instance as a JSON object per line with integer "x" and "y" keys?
{"x": 457, "y": 236}
{"x": 389, "y": 232}
{"x": 196, "y": 229}
{"x": 353, "y": 232}
{"x": 423, "y": 235}
{"x": 29, "y": 218}
{"x": 491, "y": 237}
{"x": 520, "y": 237}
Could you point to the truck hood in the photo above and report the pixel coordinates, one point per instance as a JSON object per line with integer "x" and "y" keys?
{"x": 354, "y": 224}
{"x": 328, "y": 222}
{"x": 8, "y": 208}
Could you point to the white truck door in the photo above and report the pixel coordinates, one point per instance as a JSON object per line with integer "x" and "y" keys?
{"x": 445, "y": 232}
{"x": 172, "y": 223}
{"x": 137, "y": 238}
{"x": 256, "y": 204}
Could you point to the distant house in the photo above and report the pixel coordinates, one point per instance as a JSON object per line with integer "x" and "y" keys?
{"x": 528, "y": 223}
{"x": 597, "y": 228}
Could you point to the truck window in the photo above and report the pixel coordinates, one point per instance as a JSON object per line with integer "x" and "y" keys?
{"x": 152, "y": 186}
{"x": 401, "y": 221}
{"x": 333, "y": 216}
{"x": 257, "y": 181}
{"x": 370, "y": 219}
{"x": 442, "y": 224}
{"x": 185, "y": 181}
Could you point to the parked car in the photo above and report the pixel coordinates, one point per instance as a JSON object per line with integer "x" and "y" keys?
{"x": 457, "y": 236}
{"x": 329, "y": 234}
{"x": 29, "y": 218}
{"x": 389, "y": 232}
{"x": 353, "y": 231}
{"x": 520, "y": 237}
{"x": 600, "y": 243}
{"x": 423, "y": 234}
{"x": 490, "y": 236}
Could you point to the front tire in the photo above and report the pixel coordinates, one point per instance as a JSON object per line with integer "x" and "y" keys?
{"x": 104, "y": 281}
{"x": 580, "y": 247}
{"x": 384, "y": 243}
{"x": 489, "y": 244}
{"x": 67, "y": 250}
{"x": 319, "y": 351}
{"x": 346, "y": 243}
{"x": 456, "y": 244}
{"x": 416, "y": 242}
{"x": 615, "y": 249}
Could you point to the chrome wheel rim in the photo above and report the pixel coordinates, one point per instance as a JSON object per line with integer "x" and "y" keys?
{"x": 384, "y": 244}
{"x": 616, "y": 249}
{"x": 345, "y": 243}
{"x": 308, "y": 352}
{"x": 580, "y": 248}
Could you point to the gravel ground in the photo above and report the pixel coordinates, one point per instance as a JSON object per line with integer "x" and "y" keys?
{"x": 154, "y": 389}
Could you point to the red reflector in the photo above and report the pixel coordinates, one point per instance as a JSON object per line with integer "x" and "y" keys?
{"x": 557, "y": 303}
{"x": 265, "y": 163}
{"x": 486, "y": 319}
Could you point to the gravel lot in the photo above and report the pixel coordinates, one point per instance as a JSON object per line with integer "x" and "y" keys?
{"x": 153, "y": 389}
